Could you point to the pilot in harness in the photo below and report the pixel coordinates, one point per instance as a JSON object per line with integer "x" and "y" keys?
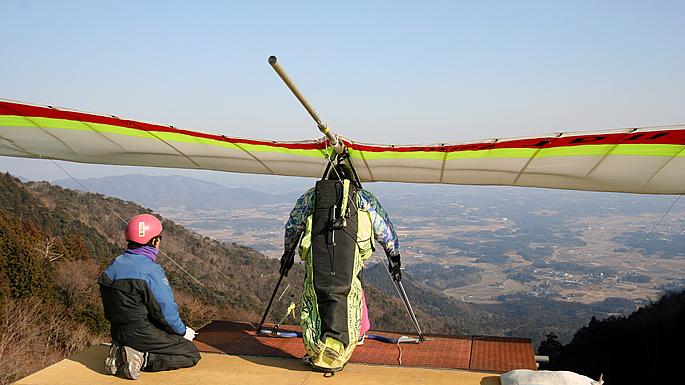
{"x": 339, "y": 222}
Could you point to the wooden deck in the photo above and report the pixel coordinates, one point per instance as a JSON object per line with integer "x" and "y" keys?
{"x": 232, "y": 353}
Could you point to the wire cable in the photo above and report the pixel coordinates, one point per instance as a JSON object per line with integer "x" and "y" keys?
{"x": 633, "y": 250}
{"x": 618, "y": 264}
{"x": 123, "y": 220}
{"x": 85, "y": 188}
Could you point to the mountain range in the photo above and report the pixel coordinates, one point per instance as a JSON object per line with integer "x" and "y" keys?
{"x": 178, "y": 191}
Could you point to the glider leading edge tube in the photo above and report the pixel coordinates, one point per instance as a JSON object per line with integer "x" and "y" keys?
{"x": 323, "y": 127}
{"x": 291, "y": 256}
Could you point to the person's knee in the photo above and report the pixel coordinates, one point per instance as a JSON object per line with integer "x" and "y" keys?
{"x": 195, "y": 357}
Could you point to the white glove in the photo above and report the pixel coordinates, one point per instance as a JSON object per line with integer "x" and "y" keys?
{"x": 190, "y": 334}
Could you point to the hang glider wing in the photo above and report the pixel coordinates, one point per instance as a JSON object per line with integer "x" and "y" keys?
{"x": 636, "y": 160}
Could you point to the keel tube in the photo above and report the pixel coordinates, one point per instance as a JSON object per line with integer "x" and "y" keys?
{"x": 323, "y": 127}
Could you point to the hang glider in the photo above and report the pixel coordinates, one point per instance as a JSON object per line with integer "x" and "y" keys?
{"x": 636, "y": 160}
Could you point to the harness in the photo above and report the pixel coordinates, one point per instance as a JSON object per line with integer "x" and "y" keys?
{"x": 334, "y": 243}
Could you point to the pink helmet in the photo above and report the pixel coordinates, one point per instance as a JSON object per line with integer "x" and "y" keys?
{"x": 142, "y": 228}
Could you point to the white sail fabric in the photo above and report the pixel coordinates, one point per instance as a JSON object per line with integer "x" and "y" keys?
{"x": 636, "y": 160}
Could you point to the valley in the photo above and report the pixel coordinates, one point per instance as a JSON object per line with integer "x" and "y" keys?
{"x": 567, "y": 245}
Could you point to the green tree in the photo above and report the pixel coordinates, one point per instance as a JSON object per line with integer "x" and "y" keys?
{"x": 550, "y": 347}
{"x": 25, "y": 272}
{"x": 76, "y": 248}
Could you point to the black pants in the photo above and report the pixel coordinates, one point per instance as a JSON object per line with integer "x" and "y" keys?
{"x": 166, "y": 351}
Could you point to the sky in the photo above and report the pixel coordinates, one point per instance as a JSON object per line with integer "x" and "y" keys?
{"x": 391, "y": 72}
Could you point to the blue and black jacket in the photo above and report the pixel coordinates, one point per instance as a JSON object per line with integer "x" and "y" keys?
{"x": 135, "y": 289}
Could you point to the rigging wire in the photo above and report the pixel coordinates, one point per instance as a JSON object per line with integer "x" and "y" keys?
{"x": 330, "y": 161}
{"x": 634, "y": 248}
{"x": 284, "y": 291}
{"x": 123, "y": 220}
{"x": 607, "y": 275}
{"x": 618, "y": 264}
{"x": 85, "y": 188}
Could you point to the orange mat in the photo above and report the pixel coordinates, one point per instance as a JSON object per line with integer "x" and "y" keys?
{"x": 477, "y": 353}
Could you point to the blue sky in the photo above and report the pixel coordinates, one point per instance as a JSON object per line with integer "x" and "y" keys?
{"x": 376, "y": 71}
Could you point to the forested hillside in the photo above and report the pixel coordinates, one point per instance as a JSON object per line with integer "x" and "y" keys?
{"x": 645, "y": 347}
